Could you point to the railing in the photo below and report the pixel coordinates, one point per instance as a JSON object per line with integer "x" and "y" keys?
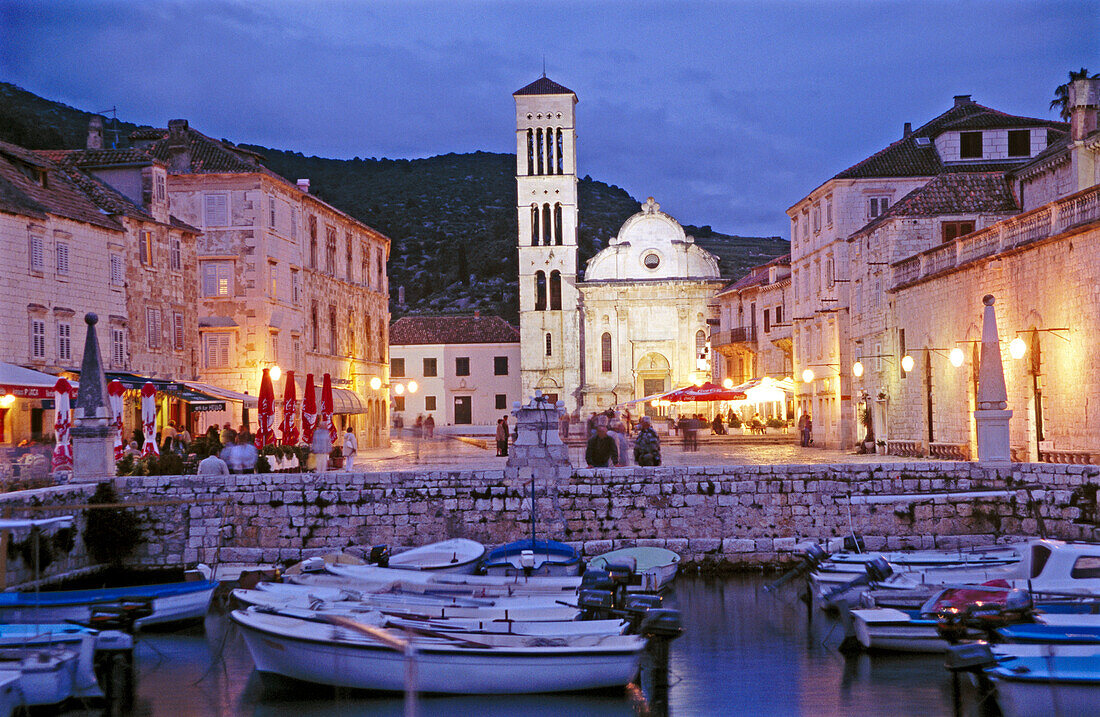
{"x": 1036, "y": 225}
{"x": 1068, "y": 456}
{"x": 740, "y": 335}
{"x": 949, "y": 451}
{"x": 909, "y": 449}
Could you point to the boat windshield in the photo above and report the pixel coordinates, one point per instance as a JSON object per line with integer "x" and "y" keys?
{"x": 1039, "y": 555}
{"x": 1086, "y": 567}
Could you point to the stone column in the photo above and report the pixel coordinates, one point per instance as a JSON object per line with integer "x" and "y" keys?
{"x": 538, "y": 463}
{"x": 992, "y": 416}
{"x": 93, "y": 449}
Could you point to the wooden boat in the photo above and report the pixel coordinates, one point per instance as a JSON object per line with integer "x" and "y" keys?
{"x": 331, "y": 655}
{"x": 171, "y": 603}
{"x": 343, "y": 594}
{"x": 380, "y": 579}
{"x": 51, "y": 674}
{"x": 655, "y": 567}
{"x": 532, "y": 557}
{"x": 547, "y": 628}
{"x": 456, "y": 555}
{"x": 1041, "y": 685}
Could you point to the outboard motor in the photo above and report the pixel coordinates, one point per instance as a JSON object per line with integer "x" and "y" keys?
{"x": 315, "y": 564}
{"x": 379, "y": 555}
{"x": 876, "y": 570}
{"x": 527, "y": 562}
{"x": 595, "y": 604}
{"x": 637, "y": 607}
{"x": 854, "y": 544}
{"x": 814, "y": 555}
{"x": 662, "y": 623}
{"x": 622, "y": 574}
{"x": 596, "y": 579}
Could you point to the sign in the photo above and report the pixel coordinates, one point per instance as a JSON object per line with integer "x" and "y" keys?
{"x": 27, "y": 391}
{"x": 207, "y": 407}
{"x": 48, "y": 403}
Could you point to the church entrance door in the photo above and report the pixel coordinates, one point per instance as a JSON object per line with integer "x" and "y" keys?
{"x": 653, "y": 377}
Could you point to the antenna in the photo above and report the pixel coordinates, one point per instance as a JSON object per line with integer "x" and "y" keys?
{"x": 544, "y": 65}
{"x": 111, "y": 125}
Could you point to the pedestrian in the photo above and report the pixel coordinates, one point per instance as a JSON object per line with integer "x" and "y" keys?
{"x": 398, "y": 422}
{"x": 563, "y": 426}
{"x": 184, "y": 438}
{"x": 691, "y": 433}
{"x": 805, "y": 429}
{"x": 716, "y": 425}
{"x": 502, "y": 437}
{"x": 246, "y": 454}
{"x": 647, "y": 446}
{"x": 227, "y": 435}
{"x": 350, "y": 449}
{"x": 320, "y": 448}
{"x": 590, "y": 426}
{"x": 617, "y": 430}
{"x": 601, "y": 451}
{"x": 212, "y": 465}
{"x": 429, "y": 425}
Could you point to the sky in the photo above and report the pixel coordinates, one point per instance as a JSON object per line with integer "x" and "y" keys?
{"x": 726, "y": 112}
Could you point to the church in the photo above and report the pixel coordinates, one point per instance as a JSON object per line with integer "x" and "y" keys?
{"x": 636, "y": 322}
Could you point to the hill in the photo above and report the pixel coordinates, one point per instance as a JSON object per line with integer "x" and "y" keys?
{"x": 452, "y": 217}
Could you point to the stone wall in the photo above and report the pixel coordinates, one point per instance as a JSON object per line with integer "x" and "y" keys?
{"x": 718, "y": 516}
{"x": 66, "y": 558}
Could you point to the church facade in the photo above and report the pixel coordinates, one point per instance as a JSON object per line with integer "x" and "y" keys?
{"x": 637, "y": 324}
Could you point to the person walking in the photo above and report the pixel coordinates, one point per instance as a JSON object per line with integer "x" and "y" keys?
{"x": 601, "y": 451}
{"x": 320, "y": 448}
{"x": 622, "y": 445}
{"x": 647, "y": 446}
{"x": 212, "y": 465}
{"x": 350, "y": 449}
{"x": 502, "y": 437}
{"x": 429, "y": 426}
{"x": 805, "y": 429}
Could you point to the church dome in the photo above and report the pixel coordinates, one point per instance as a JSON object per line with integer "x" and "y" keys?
{"x": 651, "y": 245}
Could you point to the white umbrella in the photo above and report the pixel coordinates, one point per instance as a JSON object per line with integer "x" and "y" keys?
{"x": 149, "y": 420}
{"x": 63, "y": 446}
{"x": 115, "y": 389}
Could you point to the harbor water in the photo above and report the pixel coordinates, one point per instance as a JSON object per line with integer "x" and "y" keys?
{"x": 746, "y": 651}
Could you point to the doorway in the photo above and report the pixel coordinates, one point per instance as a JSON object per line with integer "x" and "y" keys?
{"x": 463, "y": 410}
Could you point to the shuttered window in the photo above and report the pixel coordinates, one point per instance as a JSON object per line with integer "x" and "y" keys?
{"x": 152, "y": 327}
{"x": 216, "y": 210}
{"x": 175, "y": 260}
{"x": 216, "y": 278}
{"x": 177, "y": 331}
{"x": 38, "y": 339}
{"x": 62, "y": 258}
{"x": 37, "y": 251}
{"x": 216, "y": 350}
{"x": 64, "y": 341}
{"x": 116, "y": 270}
{"x": 118, "y": 348}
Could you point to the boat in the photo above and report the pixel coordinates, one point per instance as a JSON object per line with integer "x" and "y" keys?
{"x": 457, "y": 555}
{"x": 381, "y": 579}
{"x": 1047, "y": 684}
{"x": 11, "y": 697}
{"x": 51, "y": 674}
{"x": 529, "y": 557}
{"x": 547, "y": 628}
{"x": 170, "y": 603}
{"x": 337, "y": 656}
{"x": 655, "y": 567}
{"x": 1055, "y": 630}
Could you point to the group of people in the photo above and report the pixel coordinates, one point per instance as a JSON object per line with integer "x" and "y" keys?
{"x": 608, "y": 443}
{"x": 423, "y": 426}
{"x": 239, "y": 454}
{"x": 502, "y": 436}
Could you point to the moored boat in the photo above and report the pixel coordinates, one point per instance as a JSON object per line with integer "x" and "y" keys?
{"x": 170, "y": 603}
{"x": 529, "y": 557}
{"x": 1042, "y": 685}
{"x": 655, "y": 568}
{"x": 457, "y": 555}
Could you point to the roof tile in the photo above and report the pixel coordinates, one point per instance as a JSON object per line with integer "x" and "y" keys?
{"x": 419, "y": 330}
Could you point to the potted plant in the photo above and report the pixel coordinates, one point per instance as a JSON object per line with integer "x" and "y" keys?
{"x": 335, "y": 459}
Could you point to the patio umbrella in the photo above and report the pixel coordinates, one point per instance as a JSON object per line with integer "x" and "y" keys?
{"x": 265, "y": 409}
{"x": 115, "y": 389}
{"x": 149, "y": 420}
{"x": 63, "y": 447}
{"x": 289, "y": 426}
{"x": 326, "y": 408}
{"x": 707, "y": 392}
{"x": 309, "y": 411}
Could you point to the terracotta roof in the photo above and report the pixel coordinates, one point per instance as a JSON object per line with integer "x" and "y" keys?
{"x": 20, "y": 193}
{"x": 544, "y": 86}
{"x": 906, "y": 158}
{"x": 757, "y": 275}
{"x": 416, "y": 330}
{"x": 953, "y": 193}
{"x": 97, "y": 157}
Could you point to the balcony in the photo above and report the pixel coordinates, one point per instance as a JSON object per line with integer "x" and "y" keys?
{"x": 745, "y": 335}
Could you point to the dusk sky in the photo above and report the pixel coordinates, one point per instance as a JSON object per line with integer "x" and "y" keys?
{"x": 726, "y": 112}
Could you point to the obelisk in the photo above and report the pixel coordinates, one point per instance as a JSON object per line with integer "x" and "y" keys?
{"x": 93, "y": 452}
{"x": 992, "y": 416}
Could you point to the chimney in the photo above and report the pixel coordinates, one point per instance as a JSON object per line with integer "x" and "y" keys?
{"x": 303, "y": 184}
{"x": 179, "y": 146}
{"x": 961, "y": 100}
{"x": 477, "y": 313}
{"x": 1084, "y": 102}
{"x": 401, "y": 296}
{"x": 908, "y": 130}
{"x": 95, "y": 132}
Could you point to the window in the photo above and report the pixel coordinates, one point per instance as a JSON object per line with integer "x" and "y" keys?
{"x": 557, "y": 224}
{"x": 216, "y": 278}
{"x": 956, "y": 229}
{"x": 779, "y": 314}
{"x": 293, "y": 223}
{"x": 38, "y": 339}
{"x": 145, "y": 248}
{"x": 500, "y": 365}
{"x": 399, "y": 403}
{"x": 430, "y": 368}
{"x": 462, "y": 366}
{"x": 878, "y": 206}
{"x": 118, "y": 348}
{"x": 37, "y": 253}
{"x": 397, "y": 368}
{"x": 216, "y": 350}
{"x": 901, "y": 351}
{"x": 540, "y": 291}
{"x": 216, "y": 210}
{"x": 275, "y": 346}
{"x": 605, "y": 353}
{"x": 555, "y": 291}
{"x": 828, "y": 211}
{"x": 547, "y": 229}
{"x": 368, "y": 341}
{"x": 817, "y": 217}
{"x": 161, "y": 192}
{"x": 116, "y": 270}
{"x": 62, "y": 251}
{"x": 175, "y": 258}
{"x": 502, "y": 401}
{"x": 429, "y": 403}
{"x": 64, "y": 341}
{"x": 652, "y": 261}
{"x": 364, "y": 264}
{"x": 314, "y": 328}
{"x": 829, "y": 273}
{"x": 380, "y": 268}
{"x": 767, "y": 320}
{"x": 332, "y": 347}
{"x": 295, "y": 286}
{"x": 1086, "y": 567}
{"x": 970, "y": 145}
{"x": 273, "y": 272}
{"x": 313, "y": 242}
{"x": 549, "y": 345}
{"x": 701, "y": 343}
{"x": 152, "y": 328}
{"x": 177, "y": 331}
{"x": 330, "y": 250}
{"x": 1019, "y": 143}
{"x": 350, "y": 269}
{"x": 271, "y": 212}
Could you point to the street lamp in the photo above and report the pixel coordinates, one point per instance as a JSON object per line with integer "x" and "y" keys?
{"x": 956, "y": 357}
{"x": 413, "y": 386}
{"x": 275, "y": 373}
{"x": 907, "y": 363}
{"x": 727, "y": 383}
{"x": 808, "y": 376}
{"x": 1017, "y": 348}
{"x": 399, "y": 389}
{"x": 7, "y": 400}
{"x": 375, "y": 383}
{"x": 857, "y": 369}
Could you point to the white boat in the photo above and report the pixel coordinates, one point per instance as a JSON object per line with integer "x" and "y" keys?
{"x": 1042, "y": 685}
{"x": 529, "y": 557}
{"x": 331, "y": 655}
{"x": 655, "y": 567}
{"x": 888, "y": 629}
{"x": 457, "y": 555}
{"x": 386, "y": 578}
{"x": 11, "y": 696}
{"x": 333, "y": 595}
{"x": 51, "y": 674}
{"x": 562, "y": 628}
{"x": 171, "y": 603}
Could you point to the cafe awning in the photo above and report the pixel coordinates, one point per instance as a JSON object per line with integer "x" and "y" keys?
{"x": 247, "y": 400}
{"x": 25, "y": 382}
{"x": 344, "y": 400}
{"x": 198, "y": 400}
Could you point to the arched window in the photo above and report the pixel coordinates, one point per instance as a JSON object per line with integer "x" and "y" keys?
{"x": 700, "y": 346}
{"x": 558, "y": 152}
{"x": 351, "y": 333}
{"x": 829, "y": 274}
{"x": 547, "y": 229}
{"x": 351, "y": 267}
{"x": 534, "y": 225}
{"x": 549, "y": 345}
{"x": 538, "y": 149}
{"x": 549, "y": 150}
{"x": 555, "y": 291}
{"x": 313, "y": 242}
{"x": 605, "y": 353}
{"x": 332, "y": 346}
{"x": 540, "y": 291}
{"x": 557, "y": 224}
{"x": 530, "y": 151}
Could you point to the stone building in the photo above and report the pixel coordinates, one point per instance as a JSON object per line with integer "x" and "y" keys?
{"x": 753, "y": 339}
{"x": 969, "y": 138}
{"x": 284, "y": 278}
{"x": 466, "y": 370}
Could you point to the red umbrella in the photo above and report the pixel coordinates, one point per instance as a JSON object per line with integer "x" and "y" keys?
{"x": 149, "y": 420}
{"x": 63, "y": 446}
{"x": 707, "y": 392}
{"x": 289, "y": 426}
{"x": 265, "y": 434}
{"x": 309, "y": 411}
{"x": 115, "y": 389}
{"x": 326, "y": 408}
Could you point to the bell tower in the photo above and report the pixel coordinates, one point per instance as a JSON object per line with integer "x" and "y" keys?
{"x": 546, "y": 198}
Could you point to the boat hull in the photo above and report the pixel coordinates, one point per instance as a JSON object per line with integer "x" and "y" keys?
{"x": 1044, "y": 698}
{"x": 173, "y": 603}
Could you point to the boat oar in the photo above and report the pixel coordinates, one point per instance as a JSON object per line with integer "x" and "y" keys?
{"x": 405, "y": 647}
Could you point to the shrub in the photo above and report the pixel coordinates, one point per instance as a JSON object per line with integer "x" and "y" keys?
{"x": 263, "y": 465}
{"x": 110, "y": 534}
{"x": 776, "y": 423}
{"x": 125, "y": 466}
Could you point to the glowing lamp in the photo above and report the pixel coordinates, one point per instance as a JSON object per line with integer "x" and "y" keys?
{"x": 7, "y": 400}
{"x": 399, "y": 389}
{"x": 1017, "y": 348}
{"x": 857, "y": 369}
{"x": 276, "y": 372}
{"x": 727, "y": 383}
{"x": 956, "y": 357}
{"x": 375, "y": 383}
{"x": 907, "y": 363}
{"x": 413, "y": 386}
{"x": 698, "y": 381}
{"x": 655, "y": 403}
{"x": 808, "y": 376}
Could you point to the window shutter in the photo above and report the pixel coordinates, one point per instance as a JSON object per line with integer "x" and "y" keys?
{"x": 62, "y": 258}
{"x": 38, "y": 338}
{"x": 116, "y": 270}
{"x": 217, "y": 210}
{"x": 37, "y": 251}
{"x": 177, "y": 330}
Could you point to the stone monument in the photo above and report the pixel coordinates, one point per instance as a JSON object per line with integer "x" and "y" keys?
{"x": 93, "y": 449}
{"x": 992, "y": 416}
